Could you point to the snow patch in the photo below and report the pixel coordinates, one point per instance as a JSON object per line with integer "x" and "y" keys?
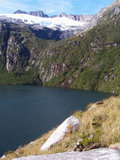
{"x": 62, "y": 22}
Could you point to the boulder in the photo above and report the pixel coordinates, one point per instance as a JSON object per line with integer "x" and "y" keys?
{"x": 115, "y": 146}
{"x": 4, "y": 156}
{"x": 71, "y": 124}
{"x": 95, "y": 154}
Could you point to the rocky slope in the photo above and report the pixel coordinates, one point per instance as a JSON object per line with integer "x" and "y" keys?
{"x": 88, "y": 61}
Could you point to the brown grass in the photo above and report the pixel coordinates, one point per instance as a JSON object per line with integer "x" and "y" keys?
{"x": 103, "y": 122}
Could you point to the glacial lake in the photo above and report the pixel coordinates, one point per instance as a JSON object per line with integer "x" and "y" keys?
{"x": 27, "y": 112}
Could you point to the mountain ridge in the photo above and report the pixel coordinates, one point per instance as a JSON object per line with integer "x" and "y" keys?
{"x": 34, "y": 13}
{"x": 71, "y": 16}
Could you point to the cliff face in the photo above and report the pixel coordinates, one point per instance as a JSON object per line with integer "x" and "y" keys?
{"x": 4, "y": 33}
{"x": 13, "y": 51}
{"x": 17, "y": 55}
{"x": 83, "y": 18}
{"x": 33, "y": 13}
{"x": 89, "y": 61}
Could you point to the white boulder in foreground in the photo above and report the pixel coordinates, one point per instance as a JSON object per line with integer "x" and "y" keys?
{"x": 71, "y": 124}
{"x": 96, "y": 154}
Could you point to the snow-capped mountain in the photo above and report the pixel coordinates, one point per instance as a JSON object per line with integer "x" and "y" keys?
{"x": 33, "y": 13}
{"x": 62, "y": 23}
{"x": 83, "y": 18}
{"x": 49, "y": 27}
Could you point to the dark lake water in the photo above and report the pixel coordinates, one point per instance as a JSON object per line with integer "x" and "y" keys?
{"x": 26, "y": 112}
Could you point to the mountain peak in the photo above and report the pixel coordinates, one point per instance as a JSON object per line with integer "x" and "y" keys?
{"x": 20, "y": 12}
{"x": 33, "y": 13}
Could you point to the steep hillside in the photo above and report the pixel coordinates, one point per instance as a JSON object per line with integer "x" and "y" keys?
{"x": 99, "y": 125}
{"x": 17, "y": 45}
{"x": 89, "y": 61}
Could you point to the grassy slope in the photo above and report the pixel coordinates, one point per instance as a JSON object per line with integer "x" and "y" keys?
{"x": 102, "y": 122}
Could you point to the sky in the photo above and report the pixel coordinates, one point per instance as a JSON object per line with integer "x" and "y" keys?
{"x": 54, "y": 7}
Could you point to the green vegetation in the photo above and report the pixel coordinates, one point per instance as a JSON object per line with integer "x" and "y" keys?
{"x": 19, "y": 77}
{"x": 99, "y": 125}
{"x": 92, "y": 59}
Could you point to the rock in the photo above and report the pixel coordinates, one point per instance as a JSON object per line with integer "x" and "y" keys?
{"x": 78, "y": 146}
{"x": 71, "y": 124}
{"x": 38, "y": 14}
{"x": 20, "y": 12}
{"x": 96, "y": 154}
{"x": 115, "y": 146}
{"x": 16, "y": 53}
{"x": 33, "y": 13}
{"x": 4, "y": 156}
{"x": 92, "y": 146}
{"x": 92, "y": 107}
{"x": 99, "y": 102}
{"x": 96, "y": 104}
{"x": 83, "y": 18}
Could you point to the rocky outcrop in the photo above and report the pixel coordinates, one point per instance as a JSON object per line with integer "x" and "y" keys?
{"x": 96, "y": 154}
{"x": 83, "y": 18}
{"x": 51, "y": 34}
{"x": 20, "y": 12}
{"x": 33, "y": 13}
{"x": 71, "y": 124}
{"x": 4, "y": 36}
{"x": 14, "y": 54}
{"x": 17, "y": 55}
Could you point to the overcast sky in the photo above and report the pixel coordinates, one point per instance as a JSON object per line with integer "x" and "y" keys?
{"x": 52, "y": 7}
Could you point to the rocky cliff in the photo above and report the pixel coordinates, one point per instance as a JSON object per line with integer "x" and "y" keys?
{"x": 88, "y": 61}
{"x": 82, "y": 18}
{"x": 33, "y": 13}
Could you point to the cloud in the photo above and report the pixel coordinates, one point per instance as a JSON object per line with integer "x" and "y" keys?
{"x": 49, "y": 7}
{"x": 55, "y": 6}
{"x": 52, "y": 7}
{"x": 7, "y": 6}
